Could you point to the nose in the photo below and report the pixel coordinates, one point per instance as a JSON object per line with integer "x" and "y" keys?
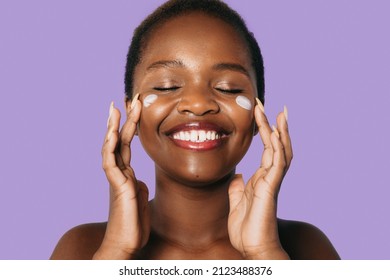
{"x": 198, "y": 102}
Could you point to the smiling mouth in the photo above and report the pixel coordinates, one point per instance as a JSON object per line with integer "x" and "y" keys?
{"x": 198, "y": 136}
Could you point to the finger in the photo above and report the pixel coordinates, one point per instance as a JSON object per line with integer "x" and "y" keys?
{"x": 113, "y": 172}
{"x": 113, "y": 121}
{"x": 265, "y": 135}
{"x": 275, "y": 174}
{"x": 236, "y": 191}
{"x": 113, "y": 124}
{"x": 128, "y": 130}
{"x": 109, "y": 159}
{"x": 119, "y": 160}
{"x": 285, "y": 136}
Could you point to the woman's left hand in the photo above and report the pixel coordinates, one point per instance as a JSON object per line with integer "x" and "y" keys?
{"x": 252, "y": 223}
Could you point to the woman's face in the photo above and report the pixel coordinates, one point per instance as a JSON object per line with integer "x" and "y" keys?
{"x": 198, "y": 90}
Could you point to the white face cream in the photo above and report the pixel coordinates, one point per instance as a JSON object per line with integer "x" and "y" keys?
{"x": 244, "y": 102}
{"x": 149, "y": 100}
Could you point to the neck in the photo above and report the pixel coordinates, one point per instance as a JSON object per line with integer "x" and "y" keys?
{"x": 190, "y": 217}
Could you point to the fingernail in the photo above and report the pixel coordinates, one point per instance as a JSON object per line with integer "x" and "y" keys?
{"x": 134, "y": 101}
{"x": 238, "y": 177}
{"x": 285, "y": 112}
{"x": 276, "y": 131}
{"x": 260, "y": 105}
{"x": 110, "y": 112}
{"x": 111, "y": 107}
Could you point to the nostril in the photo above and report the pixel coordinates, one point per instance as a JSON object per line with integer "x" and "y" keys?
{"x": 198, "y": 106}
{"x": 198, "y": 109}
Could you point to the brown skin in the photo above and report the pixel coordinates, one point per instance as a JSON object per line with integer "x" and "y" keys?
{"x": 201, "y": 209}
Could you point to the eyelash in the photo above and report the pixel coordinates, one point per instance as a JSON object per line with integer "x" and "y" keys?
{"x": 230, "y": 91}
{"x": 165, "y": 88}
{"x": 227, "y": 91}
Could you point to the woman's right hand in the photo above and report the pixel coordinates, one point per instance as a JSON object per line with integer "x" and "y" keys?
{"x": 128, "y": 225}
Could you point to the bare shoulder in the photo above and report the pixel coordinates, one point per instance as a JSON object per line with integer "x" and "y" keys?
{"x": 80, "y": 242}
{"x": 303, "y": 241}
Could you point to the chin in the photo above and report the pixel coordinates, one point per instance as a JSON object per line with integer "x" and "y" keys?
{"x": 200, "y": 177}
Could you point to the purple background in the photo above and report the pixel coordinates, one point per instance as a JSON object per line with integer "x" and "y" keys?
{"x": 61, "y": 64}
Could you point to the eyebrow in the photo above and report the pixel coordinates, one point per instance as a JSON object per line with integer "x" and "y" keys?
{"x": 232, "y": 67}
{"x": 218, "y": 67}
{"x": 166, "y": 64}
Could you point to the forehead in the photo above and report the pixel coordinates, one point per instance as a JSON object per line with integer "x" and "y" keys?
{"x": 199, "y": 33}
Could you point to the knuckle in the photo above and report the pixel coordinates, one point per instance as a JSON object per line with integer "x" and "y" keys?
{"x": 105, "y": 166}
{"x": 281, "y": 163}
{"x": 109, "y": 173}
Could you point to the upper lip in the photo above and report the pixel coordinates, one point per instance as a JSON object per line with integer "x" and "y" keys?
{"x": 197, "y": 126}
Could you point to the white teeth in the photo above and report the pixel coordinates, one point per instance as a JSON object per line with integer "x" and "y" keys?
{"x": 202, "y": 136}
{"x": 196, "y": 135}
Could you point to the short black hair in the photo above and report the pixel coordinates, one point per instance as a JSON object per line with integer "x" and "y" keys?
{"x": 175, "y": 8}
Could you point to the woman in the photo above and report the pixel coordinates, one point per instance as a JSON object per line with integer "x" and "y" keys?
{"x": 195, "y": 86}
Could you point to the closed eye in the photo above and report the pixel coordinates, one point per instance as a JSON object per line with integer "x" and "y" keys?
{"x": 165, "y": 88}
{"x": 230, "y": 91}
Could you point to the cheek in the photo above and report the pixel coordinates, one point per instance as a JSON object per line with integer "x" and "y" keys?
{"x": 149, "y": 100}
{"x": 240, "y": 111}
{"x": 244, "y": 102}
{"x": 154, "y": 111}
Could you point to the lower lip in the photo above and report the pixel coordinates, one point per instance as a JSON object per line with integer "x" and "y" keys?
{"x": 199, "y": 146}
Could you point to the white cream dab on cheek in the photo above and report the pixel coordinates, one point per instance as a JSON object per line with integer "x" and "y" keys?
{"x": 244, "y": 102}
{"x": 149, "y": 100}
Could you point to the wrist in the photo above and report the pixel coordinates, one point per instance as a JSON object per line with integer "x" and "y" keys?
{"x": 282, "y": 255}
{"x": 270, "y": 253}
{"x": 112, "y": 252}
